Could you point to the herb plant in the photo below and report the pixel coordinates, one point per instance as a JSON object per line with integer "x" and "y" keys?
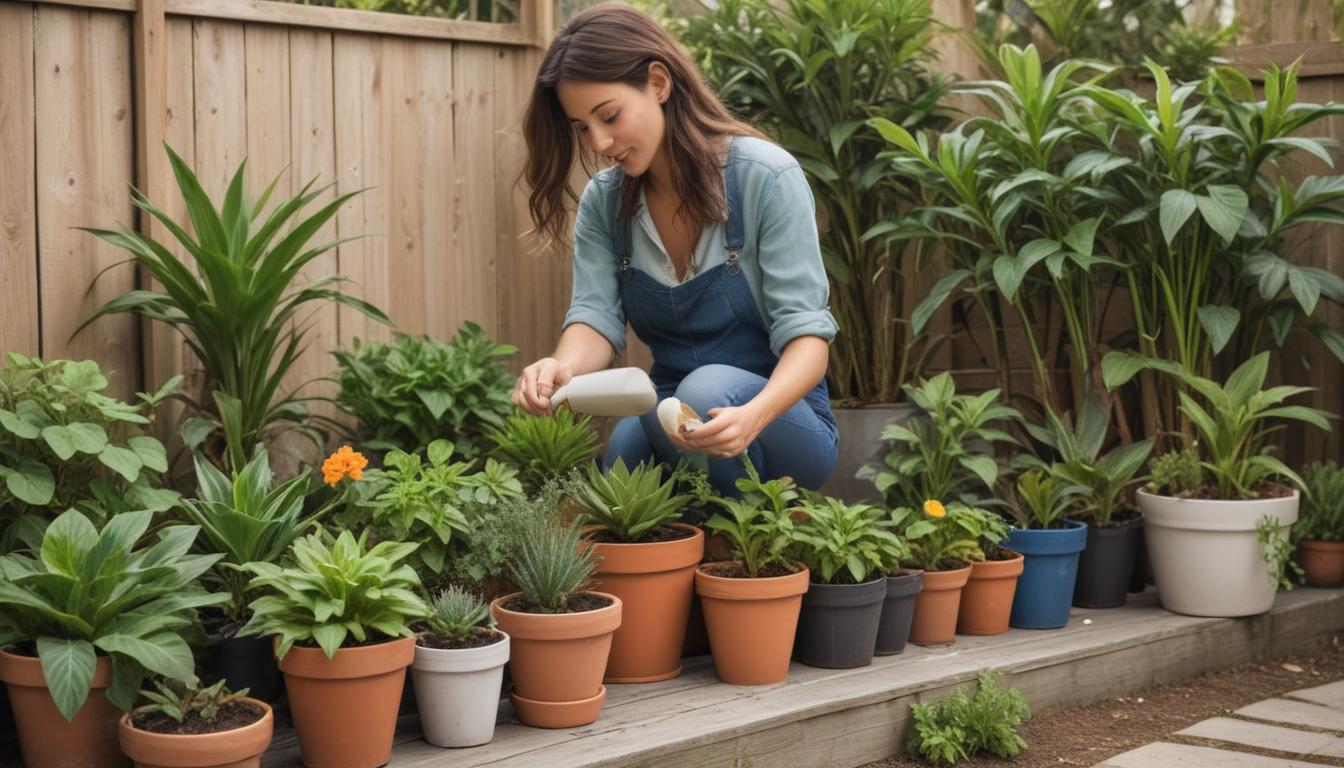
{"x": 456, "y": 614}
{"x": 848, "y": 543}
{"x": 335, "y": 592}
{"x": 630, "y": 504}
{"x": 1041, "y": 498}
{"x": 482, "y": 560}
{"x": 961, "y": 726}
{"x": 552, "y": 563}
{"x": 545, "y": 447}
{"x": 1176, "y": 473}
{"x": 1322, "y": 517}
{"x": 89, "y": 591}
{"x": 758, "y": 525}
{"x": 415, "y": 390}
{"x": 947, "y": 537}
{"x": 178, "y": 700}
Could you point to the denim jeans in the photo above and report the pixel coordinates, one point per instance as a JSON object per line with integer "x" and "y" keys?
{"x": 800, "y": 443}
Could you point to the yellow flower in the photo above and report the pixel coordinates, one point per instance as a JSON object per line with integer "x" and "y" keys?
{"x": 934, "y": 508}
{"x": 344, "y": 462}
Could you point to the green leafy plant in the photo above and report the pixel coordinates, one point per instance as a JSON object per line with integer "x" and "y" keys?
{"x": 1107, "y": 479}
{"x": 545, "y": 447}
{"x": 240, "y": 308}
{"x": 1322, "y": 517}
{"x": 1176, "y": 473}
{"x": 63, "y": 444}
{"x": 629, "y": 504}
{"x": 552, "y": 563}
{"x": 455, "y": 615}
{"x": 758, "y": 525}
{"x": 483, "y": 558}
{"x": 947, "y": 537}
{"x": 88, "y": 592}
{"x": 961, "y": 726}
{"x": 415, "y": 390}
{"x": 848, "y": 543}
{"x": 1278, "y": 552}
{"x": 178, "y": 700}
{"x": 1232, "y": 426}
{"x": 941, "y": 454}
{"x": 1041, "y": 497}
{"x": 810, "y": 74}
{"x": 335, "y": 592}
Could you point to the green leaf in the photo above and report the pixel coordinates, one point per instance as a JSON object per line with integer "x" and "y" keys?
{"x": 88, "y": 437}
{"x": 67, "y": 666}
{"x": 195, "y": 431}
{"x": 1176, "y": 207}
{"x": 1220, "y": 322}
{"x": 123, "y": 461}
{"x": 1306, "y": 290}
{"x": 1081, "y": 236}
{"x": 59, "y": 439}
{"x": 984, "y": 468}
{"x": 1117, "y": 368}
{"x": 31, "y": 482}
{"x": 938, "y": 295}
{"x": 18, "y": 426}
{"x": 437, "y": 401}
{"x": 164, "y": 653}
{"x": 1223, "y": 209}
{"x": 150, "y": 451}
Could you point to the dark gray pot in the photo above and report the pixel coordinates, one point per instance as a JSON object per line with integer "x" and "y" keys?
{"x": 837, "y": 628}
{"x": 860, "y": 443}
{"x": 898, "y": 610}
{"x": 1106, "y": 565}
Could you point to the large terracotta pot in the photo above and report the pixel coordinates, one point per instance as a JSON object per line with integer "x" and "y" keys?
{"x": 751, "y": 624}
{"x": 1323, "y": 561}
{"x": 937, "y": 605}
{"x": 557, "y": 661}
{"x": 238, "y": 748}
{"x": 45, "y": 737}
{"x": 655, "y": 582}
{"x": 987, "y": 598}
{"x": 345, "y": 707}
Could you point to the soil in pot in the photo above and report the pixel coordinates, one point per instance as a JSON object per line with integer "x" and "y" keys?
{"x": 48, "y": 739}
{"x": 457, "y": 687}
{"x": 898, "y": 611}
{"x": 232, "y": 716}
{"x": 1106, "y": 565}
{"x": 936, "y": 607}
{"x": 987, "y": 598}
{"x": 236, "y": 738}
{"x": 1323, "y": 561}
{"x": 837, "y": 626}
{"x": 751, "y": 621}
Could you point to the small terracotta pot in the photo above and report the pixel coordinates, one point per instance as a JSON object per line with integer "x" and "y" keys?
{"x": 937, "y": 605}
{"x": 1323, "y": 561}
{"x": 238, "y": 748}
{"x": 987, "y": 598}
{"x": 48, "y": 739}
{"x": 751, "y": 624}
{"x": 345, "y": 707}
{"x": 655, "y": 582}
{"x": 557, "y": 661}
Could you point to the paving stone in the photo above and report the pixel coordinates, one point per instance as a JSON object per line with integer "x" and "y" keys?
{"x": 1267, "y": 736}
{"x": 1330, "y": 695}
{"x": 1295, "y": 713}
{"x": 1166, "y": 755}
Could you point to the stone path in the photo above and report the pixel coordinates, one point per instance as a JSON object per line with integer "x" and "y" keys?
{"x": 1308, "y": 723}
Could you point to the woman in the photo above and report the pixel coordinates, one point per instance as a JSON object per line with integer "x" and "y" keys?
{"x": 702, "y": 236}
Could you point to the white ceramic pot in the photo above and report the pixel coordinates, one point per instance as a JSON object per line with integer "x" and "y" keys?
{"x": 457, "y": 692}
{"x": 1207, "y": 559}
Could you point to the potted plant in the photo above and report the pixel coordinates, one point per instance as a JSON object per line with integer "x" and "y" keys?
{"x": 545, "y": 447}
{"x": 943, "y": 541}
{"x": 647, "y": 558}
{"x": 458, "y": 669}
{"x": 1205, "y": 534}
{"x": 987, "y": 598}
{"x": 898, "y": 609}
{"x": 560, "y": 631}
{"x": 847, "y": 548}
{"x": 340, "y": 619}
{"x": 1050, "y": 543}
{"x": 1320, "y": 529}
{"x": 81, "y": 623}
{"x": 190, "y": 726}
{"x": 751, "y": 603}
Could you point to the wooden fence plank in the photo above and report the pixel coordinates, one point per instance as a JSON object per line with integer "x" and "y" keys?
{"x": 84, "y": 153}
{"x": 411, "y": 115}
{"x": 220, "y": 74}
{"x": 20, "y": 332}
{"x": 473, "y": 289}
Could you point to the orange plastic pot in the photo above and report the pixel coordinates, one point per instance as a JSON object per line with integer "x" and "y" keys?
{"x": 46, "y": 738}
{"x": 557, "y": 661}
{"x": 655, "y": 583}
{"x": 937, "y": 605}
{"x": 987, "y": 598}
{"x": 238, "y": 748}
{"x": 1323, "y": 561}
{"x": 751, "y": 624}
{"x": 345, "y": 707}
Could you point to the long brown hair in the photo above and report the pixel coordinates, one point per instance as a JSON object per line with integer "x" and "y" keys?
{"x": 613, "y": 43}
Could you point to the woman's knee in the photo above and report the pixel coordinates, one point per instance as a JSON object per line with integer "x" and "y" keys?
{"x": 718, "y": 386}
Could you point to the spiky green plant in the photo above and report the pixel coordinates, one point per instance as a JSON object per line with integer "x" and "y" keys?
{"x": 552, "y": 563}
{"x": 629, "y": 503}
{"x": 1042, "y": 497}
{"x": 178, "y": 700}
{"x": 545, "y": 447}
{"x": 456, "y": 614}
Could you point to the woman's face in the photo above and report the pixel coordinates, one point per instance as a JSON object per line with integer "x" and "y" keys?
{"x": 618, "y": 121}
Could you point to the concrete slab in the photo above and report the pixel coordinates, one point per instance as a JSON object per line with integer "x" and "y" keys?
{"x": 1329, "y": 695}
{"x": 1295, "y": 713}
{"x": 1166, "y": 755}
{"x": 1267, "y": 736}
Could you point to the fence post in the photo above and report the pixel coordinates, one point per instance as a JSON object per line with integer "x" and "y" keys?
{"x": 540, "y": 20}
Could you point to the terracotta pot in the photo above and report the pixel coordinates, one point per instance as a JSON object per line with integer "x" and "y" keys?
{"x": 45, "y": 737}
{"x": 237, "y": 748}
{"x": 937, "y": 605}
{"x": 987, "y": 598}
{"x": 345, "y": 707}
{"x": 751, "y": 624}
{"x": 1323, "y": 561}
{"x": 557, "y": 661}
{"x": 655, "y": 582}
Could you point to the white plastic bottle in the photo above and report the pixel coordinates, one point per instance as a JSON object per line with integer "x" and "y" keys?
{"x": 613, "y": 392}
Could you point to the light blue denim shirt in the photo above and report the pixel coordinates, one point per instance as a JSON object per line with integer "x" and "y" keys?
{"x": 781, "y": 257}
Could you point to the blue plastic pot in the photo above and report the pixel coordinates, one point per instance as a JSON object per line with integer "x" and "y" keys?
{"x": 1045, "y": 589}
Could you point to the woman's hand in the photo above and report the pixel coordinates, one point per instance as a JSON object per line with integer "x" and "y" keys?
{"x": 538, "y": 382}
{"x": 727, "y": 433}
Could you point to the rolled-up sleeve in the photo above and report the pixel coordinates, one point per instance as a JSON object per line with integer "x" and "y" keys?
{"x": 793, "y": 276}
{"x": 595, "y": 300}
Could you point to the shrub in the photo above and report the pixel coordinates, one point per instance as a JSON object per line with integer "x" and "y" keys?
{"x": 961, "y": 726}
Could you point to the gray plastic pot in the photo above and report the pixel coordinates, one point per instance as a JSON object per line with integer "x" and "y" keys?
{"x": 898, "y": 611}
{"x": 457, "y": 692}
{"x": 1106, "y": 565}
{"x": 837, "y": 628}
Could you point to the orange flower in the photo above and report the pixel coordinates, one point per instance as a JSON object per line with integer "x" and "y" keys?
{"x": 342, "y": 463}
{"x": 934, "y": 508}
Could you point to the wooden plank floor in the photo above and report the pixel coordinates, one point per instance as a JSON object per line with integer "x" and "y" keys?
{"x": 848, "y": 717}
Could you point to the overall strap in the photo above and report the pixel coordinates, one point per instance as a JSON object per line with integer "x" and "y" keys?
{"x": 620, "y": 231}
{"x": 734, "y": 234}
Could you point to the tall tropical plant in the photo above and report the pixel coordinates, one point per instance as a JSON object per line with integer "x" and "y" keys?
{"x": 239, "y": 301}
